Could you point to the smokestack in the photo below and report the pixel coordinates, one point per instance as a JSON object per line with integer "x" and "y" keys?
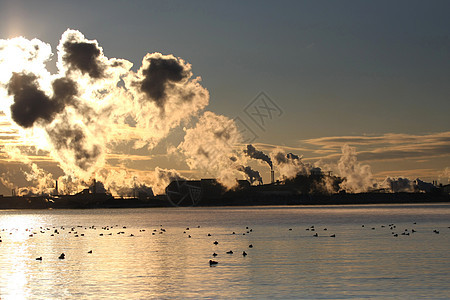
{"x": 272, "y": 175}
{"x": 56, "y": 187}
{"x": 94, "y": 190}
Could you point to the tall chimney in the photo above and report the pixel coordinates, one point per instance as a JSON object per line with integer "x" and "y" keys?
{"x": 272, "y": 175}
{"x": 94, "y": 190}
{"x": 56, "y": 187}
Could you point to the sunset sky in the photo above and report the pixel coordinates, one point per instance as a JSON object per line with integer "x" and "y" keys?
{"x": 370, "y": 75}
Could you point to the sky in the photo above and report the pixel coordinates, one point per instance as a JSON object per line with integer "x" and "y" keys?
{"x": 302, "y": 77}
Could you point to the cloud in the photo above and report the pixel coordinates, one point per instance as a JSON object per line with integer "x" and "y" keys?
{"x": 82, "y": 55}
{"x": 397, "y": 185}
{"x": 93, "y": 104}
{"x": 32, "y": 104}
{"x": 164, "y": 94}
{"x": 159, "y": 73}
{"x": 209, "y": 146}
{"x": 251, "y": 152}
{"x": 252, "y": 175}
{"x": 290, "y": 165}
{"x": 388, "y": 146}
{"x": 357, "y": 177}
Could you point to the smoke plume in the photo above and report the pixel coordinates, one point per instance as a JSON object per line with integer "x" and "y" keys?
{"x": 160, "y": 75}
{"x": 32, "y": 104}
{"x": 444, "y": 177}
{"x": 82, "y": 56}
{"x": 357, "y": 178}
{"x": 290, "y": 165}
{"x": 209, "y": 146}
{"x": 41, "y": 182}
{"x": 397, "y": 185}
{"x": 94, "y": 105}
{"x": 252, "y": 175}
{"x": 256, "y": 154}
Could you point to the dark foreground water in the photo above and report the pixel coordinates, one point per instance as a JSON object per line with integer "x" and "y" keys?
{"x": 154, "y": 257}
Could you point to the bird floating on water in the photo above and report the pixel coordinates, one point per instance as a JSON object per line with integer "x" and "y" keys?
{"x": 212, "y": 262}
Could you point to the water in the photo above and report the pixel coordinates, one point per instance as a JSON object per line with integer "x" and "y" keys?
{"x": 360, "y": 262}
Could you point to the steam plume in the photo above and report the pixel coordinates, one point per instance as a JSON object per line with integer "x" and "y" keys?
{"x": 290, "y": 165}
{"x": 209, "y": 147}
{"x": 94, "y": 103}
{"x": 357, "y": 177}
{"x": 256, "y": 154}
{"x": 252, "y": 175}
{"x": 160, "y": 73}
{"x": 396, "y": 185}
{"x": 32, "y": 104}
{"x": 82, "y": 55}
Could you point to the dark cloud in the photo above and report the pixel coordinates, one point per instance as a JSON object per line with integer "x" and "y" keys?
{"x": 292, "y": 156}
{"x": 398, "y": 185}
{"x": 64, "y": 90}
{"x": 31, "y": 103}
{"x": 83, "y": 56}
{"x": 66, "y": 136}
{"x": 252, "y": 175}
{"x": 281, "y": 158}
{"x": 159, "y": 76}
{"x": 256, "y": 154}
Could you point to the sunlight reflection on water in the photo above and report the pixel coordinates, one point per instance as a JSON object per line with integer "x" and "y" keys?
{"x": 153, "y": 257}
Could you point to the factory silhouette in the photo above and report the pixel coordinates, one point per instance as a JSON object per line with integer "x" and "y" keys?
{"x": 300, "y": 190}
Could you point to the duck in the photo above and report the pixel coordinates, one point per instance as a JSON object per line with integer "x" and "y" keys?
{"x": 62, "y": 256}
{"x": 212, "y": 262}
{"x": 230, "y": 252}
{"x": 39, "y": 258}
{"x": 244, "y": 253}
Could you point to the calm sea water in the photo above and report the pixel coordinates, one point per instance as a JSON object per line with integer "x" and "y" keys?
{"x": 148, "y": 254}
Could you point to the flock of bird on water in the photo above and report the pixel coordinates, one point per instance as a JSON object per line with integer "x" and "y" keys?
{"x": 161, "y": 230}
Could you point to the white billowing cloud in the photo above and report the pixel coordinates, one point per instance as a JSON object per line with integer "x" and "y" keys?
{"x": 19, "y": 54}
{"x": 124, "y": 182}
{"x": 40, "y": 180}
{"x": 164, "y": 94}
{"x": 93, "y": 103}
{"x": 357, "y": 177}
{"x": 209, "y": 147}
{"x": 290, "y": 165}
{"x": 444, "y": 177}
{"x": 399, "y": 184}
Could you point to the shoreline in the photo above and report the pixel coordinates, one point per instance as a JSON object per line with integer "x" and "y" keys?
{"x": 99, "y": 201}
